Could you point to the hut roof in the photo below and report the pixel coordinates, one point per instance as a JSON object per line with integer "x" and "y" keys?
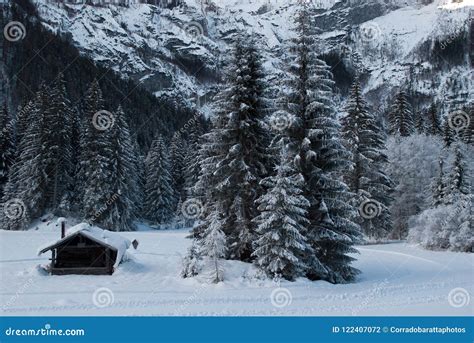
{"x": 104, "y": 237}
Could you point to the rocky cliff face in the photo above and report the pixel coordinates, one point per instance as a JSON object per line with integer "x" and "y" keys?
{"x": 423, "y": 46}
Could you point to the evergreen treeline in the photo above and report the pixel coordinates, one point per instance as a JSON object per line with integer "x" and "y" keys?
{"x": 57, "y": 53}
{"x": 87, "y": 164}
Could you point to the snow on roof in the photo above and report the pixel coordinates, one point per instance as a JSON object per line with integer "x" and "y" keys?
{"x": 105, "y": 237}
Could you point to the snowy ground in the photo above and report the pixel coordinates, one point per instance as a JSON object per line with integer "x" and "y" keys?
{"x": 397, "y": 279}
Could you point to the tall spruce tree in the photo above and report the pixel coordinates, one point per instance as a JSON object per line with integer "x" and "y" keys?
{"x": 367, "y": 179}
{"x": 401, "y": 116}
{"x": 235, "y": 156}
{"x": 458, "y": 184}
{"x": 211, "y": 152}
{"x": 320, "y": 156}
{"x": 25, "y": 185}
{"x": 122, "y": 207}
{"x": 191, "y": 160}
{"x": 7, "y": 148}
{"x": 56, "y": 142}
{"x": 22, "y": 120}
{"x": 97, "y": 160}
{"x": 434, "y": 122}
{"x": 177, "y": 155}
{"x": 159, "y": 195}
{"x": 282, "y": 223}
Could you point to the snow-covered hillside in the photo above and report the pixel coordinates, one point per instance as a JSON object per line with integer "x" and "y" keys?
{"x": 180, "y": 50}
{"x": 396, "y": 279}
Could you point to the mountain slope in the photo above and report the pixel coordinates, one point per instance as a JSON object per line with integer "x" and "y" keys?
{"x": 179, "y": 50}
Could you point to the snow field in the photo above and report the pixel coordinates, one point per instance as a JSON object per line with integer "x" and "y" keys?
{"x": 397, "y": 279}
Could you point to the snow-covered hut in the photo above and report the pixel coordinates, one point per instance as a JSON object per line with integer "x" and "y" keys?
{"x": 86, "y": 249}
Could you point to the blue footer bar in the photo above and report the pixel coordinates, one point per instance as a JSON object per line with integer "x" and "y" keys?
{"x": 237, "y": 329}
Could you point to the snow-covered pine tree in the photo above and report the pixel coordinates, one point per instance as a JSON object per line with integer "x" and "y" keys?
{"x": 191, "y": 161}
{"x": 247, "y": 152}
{"x": 420, "y": 125}
{"x": 401, "y": 116}
{"x": 367, "y": 179}
{"x": 434, "y": 122}
{"x": 214, "y": 245}
{"x": 461, "y": 226}
{"x": 158, "y": 207}
{"x": 72, "y": 203}
{"x": 282, "y": 224}
{"x": 439, "y": 187}
{"x": 26, "y": 178}
{"x": 22, "y": 120}
{"x": 468, "y": 132}
{"x": 7, "y": 148}
{"x": 177, "y": 155}
{"x": 56, "y": 142}
{"x": 121, "y": 208}
{"x": 96, "y": 161}
{"x": 191, "y": 170}
{"x": 334, "y": 233}
{"x": 191, "y": 261}
{"x": 235, "y": 156}
{"x": 458, "y": 184}
{"x": 449, "y": 135}
{"x": 211, "y": 152}
{"x": 315, "y": 143}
